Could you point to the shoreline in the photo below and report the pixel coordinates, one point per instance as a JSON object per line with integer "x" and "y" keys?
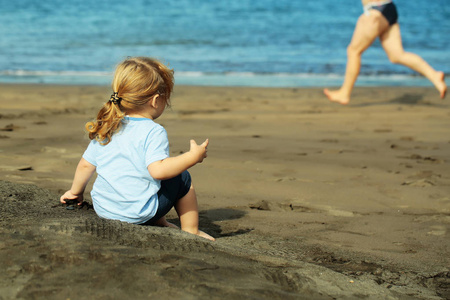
{"x": 225, "y": 79}
{"x": 360, "y": 189}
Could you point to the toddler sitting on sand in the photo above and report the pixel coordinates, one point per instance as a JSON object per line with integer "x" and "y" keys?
{"x": 137, "y": 181}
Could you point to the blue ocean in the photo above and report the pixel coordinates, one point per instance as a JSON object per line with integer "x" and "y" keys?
{"x": 274, "y": 43}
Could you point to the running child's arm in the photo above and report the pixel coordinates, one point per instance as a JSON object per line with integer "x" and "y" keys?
{"x": 173, "y": 166}
{"x": 82, "y": 175}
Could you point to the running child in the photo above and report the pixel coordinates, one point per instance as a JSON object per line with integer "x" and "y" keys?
{"x": 380, "y": 20}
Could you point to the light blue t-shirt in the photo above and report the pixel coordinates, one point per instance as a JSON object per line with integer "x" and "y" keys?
{"x": 124, "y": 189}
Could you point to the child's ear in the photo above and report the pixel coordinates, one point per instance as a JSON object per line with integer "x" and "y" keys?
{"x": 154, "y": 101}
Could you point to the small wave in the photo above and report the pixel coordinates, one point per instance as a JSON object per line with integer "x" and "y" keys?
{"x": 200, "y": 78}
{"x": 394, "y": 76}
{"x": 293, "y": 79}
{"x": 52, "y": 73}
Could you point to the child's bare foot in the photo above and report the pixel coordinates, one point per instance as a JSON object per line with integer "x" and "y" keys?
{"x": 163, "y": 223}
{"x": 205, "y": 235}
{"x": 337, "y": 96}
{"x": 440, "y": 84}
{"x": 200, "y": 233}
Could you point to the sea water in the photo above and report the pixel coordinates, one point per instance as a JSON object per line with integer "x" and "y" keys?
{"x": 274, "y": 43}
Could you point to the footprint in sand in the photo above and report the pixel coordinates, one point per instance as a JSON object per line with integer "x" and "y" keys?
{"x": 305, "y": 207}
{"x": 423, "y": 179}
{"x": 437, "y": 230}
{"x": 10, "y": 127}
{"x": 423, "y": 159}
{"x": 329, "y": 141}
{"x": 382, "y": 130}
{"x": 419, "y": 183}
{"x": 47, "y": 149}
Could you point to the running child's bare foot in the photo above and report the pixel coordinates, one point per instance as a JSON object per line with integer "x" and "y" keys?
{"x": 337, "y": 96}
{"x": 440, "y": 84}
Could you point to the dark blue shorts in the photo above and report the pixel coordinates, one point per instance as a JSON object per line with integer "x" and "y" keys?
{"x": 171, "y": 191}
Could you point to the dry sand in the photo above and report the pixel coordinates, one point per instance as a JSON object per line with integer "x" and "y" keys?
{"x": 307, "y": 199}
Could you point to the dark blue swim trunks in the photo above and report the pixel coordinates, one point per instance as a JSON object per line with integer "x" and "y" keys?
{"x": 389, "y": 11}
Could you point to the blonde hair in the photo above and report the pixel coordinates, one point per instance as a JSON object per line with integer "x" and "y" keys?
{"x": 136, "y": 81}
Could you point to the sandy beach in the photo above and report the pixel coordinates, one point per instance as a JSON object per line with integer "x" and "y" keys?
{"x": 306, "y": 199}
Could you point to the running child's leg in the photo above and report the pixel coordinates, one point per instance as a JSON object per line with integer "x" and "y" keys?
{"x": 367, "y": 29}
{"x": 391, "y": 41}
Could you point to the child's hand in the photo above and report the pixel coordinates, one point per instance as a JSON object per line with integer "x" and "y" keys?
{"x": 199, "y": 151}
{"x": 70, "y": 196}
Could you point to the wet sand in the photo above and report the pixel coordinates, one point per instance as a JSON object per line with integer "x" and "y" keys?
{"x": 307, "y": 199}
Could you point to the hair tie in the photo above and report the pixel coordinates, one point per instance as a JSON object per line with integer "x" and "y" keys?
{"x": 115, "y": 98}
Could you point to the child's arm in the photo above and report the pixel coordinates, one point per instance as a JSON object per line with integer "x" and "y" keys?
{"x": 173, "y": 166}
{"x": 82, "y": 175}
